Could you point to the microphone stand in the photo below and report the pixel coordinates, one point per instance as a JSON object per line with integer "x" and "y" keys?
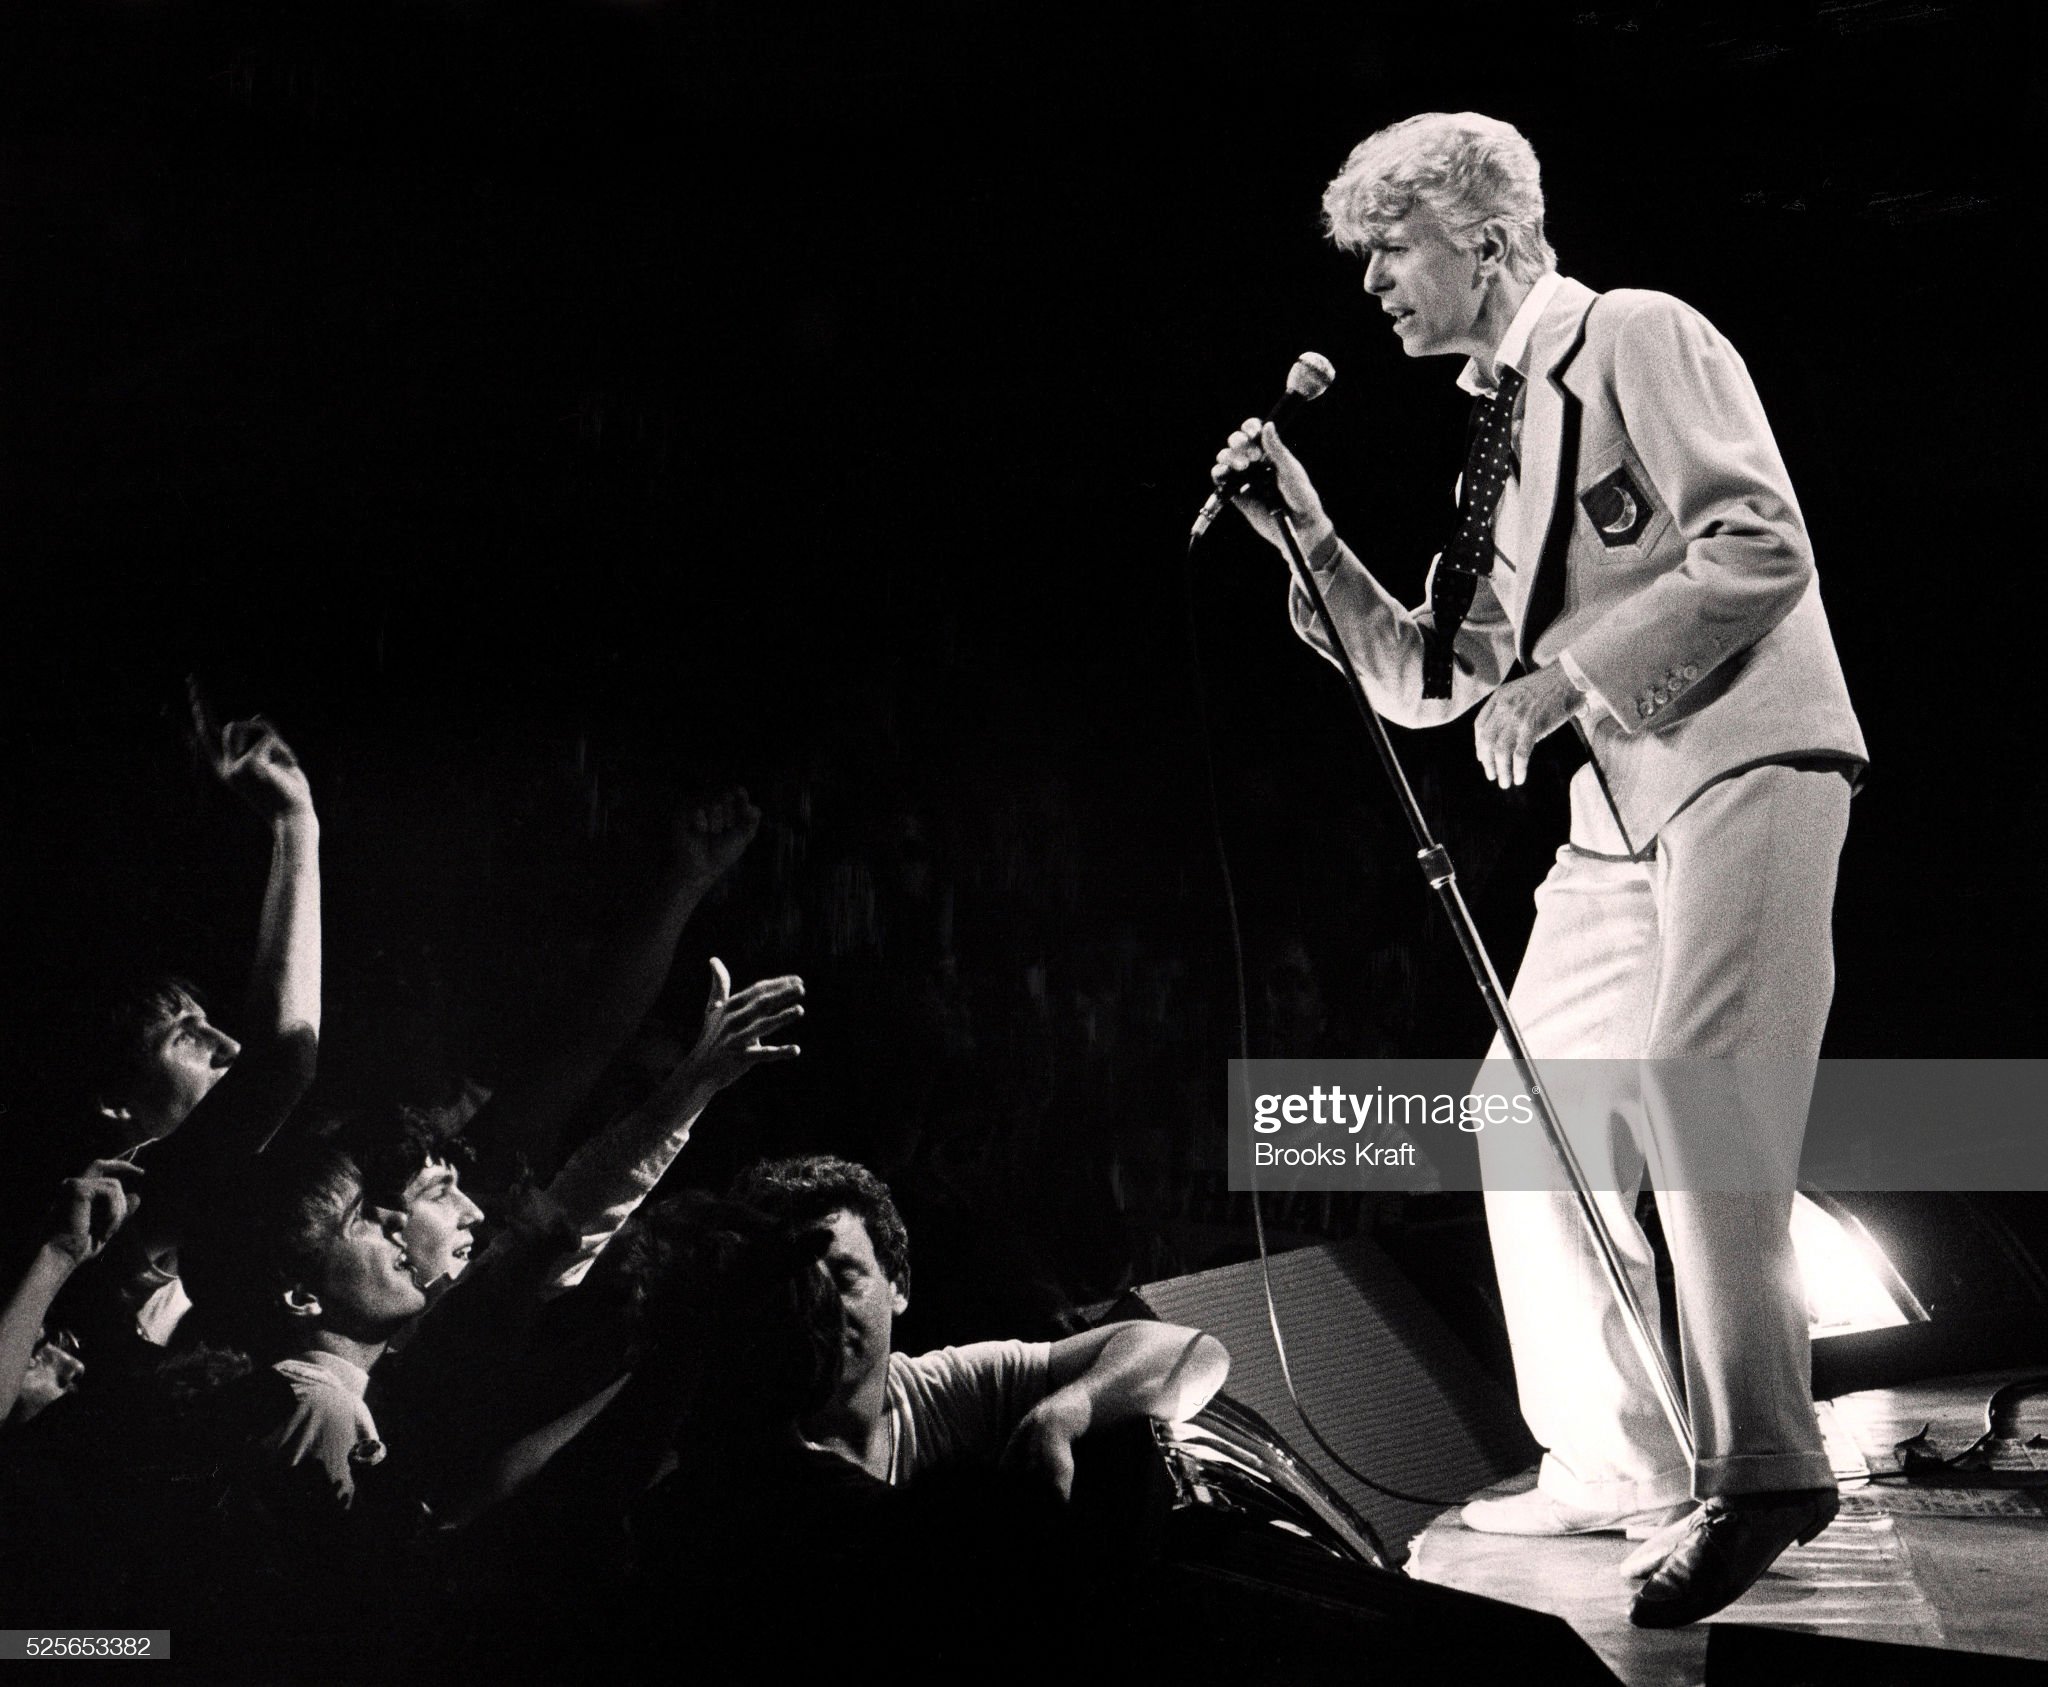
{"x": 1436, "y": 867}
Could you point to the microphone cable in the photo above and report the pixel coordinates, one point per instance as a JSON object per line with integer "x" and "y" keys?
{"x": 1244, "y": 1041}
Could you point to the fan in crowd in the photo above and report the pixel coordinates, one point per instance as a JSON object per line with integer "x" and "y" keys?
{"x": 257, "y": 1332}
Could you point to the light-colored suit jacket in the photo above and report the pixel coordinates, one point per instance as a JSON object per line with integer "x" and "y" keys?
{"x": 1672, "y": 563}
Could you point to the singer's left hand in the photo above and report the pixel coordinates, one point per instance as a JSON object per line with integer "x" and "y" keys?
{"x": 1518, "y": 717}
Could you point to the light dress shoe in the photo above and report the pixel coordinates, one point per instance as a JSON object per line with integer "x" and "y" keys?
{"x": 1538, "y": 1513}
{"x": 1725, "y": 1546}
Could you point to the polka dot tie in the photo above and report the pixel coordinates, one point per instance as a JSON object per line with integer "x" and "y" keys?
{"x": 1488, "y": 463}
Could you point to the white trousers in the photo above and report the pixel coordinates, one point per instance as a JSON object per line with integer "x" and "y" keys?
{"x": 1718, "y": 946}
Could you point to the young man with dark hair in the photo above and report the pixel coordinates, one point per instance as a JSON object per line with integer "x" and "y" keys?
{"x": 413, "y": 1158}
{"x": 180, "y": 1098}
{"x": 155, "y": 1055}
{"x": 162, "y": 1054}
{"x": 412, "y": 1161}
{"x": 310, "y": 1274}
{"x": 447, "y": 1394}
{"x": 309, "y": 1278}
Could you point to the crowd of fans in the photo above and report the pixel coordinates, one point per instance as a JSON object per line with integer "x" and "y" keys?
{"x": 481, "y": 1380}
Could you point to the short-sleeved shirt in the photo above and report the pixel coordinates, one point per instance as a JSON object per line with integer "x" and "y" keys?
{"x": 961, "y": 1402}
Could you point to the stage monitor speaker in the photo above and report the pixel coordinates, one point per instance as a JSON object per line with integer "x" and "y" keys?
{"x": 1256, "y": 1610}
{"x": 1383, "y": 1377}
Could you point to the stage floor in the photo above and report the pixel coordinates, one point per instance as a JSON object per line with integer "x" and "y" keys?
{"x": 1963, "y": 1569}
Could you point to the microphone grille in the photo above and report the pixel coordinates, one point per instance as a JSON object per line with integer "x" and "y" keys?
{"x": 1311, "y": 375}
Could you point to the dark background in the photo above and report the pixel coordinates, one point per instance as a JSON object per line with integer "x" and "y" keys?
{"x": 541, "y": 411}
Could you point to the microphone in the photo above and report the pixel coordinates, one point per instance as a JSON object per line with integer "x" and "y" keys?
{"x": 1309, "y": 378}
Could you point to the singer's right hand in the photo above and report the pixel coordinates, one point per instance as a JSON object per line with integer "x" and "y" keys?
{"x": 1259, "y": 442}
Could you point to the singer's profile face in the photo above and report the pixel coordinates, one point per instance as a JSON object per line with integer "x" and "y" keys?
{"x": 1429, "y": 287}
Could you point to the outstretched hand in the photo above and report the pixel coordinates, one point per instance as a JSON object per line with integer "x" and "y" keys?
{"x": 1287, "y": 490}
{"x": 710, "y": 837}
{"x": 90, "y": 1208}
{"x": 737, "y": 1028}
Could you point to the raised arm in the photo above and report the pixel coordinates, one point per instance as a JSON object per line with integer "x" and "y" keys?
{"x": 609, "y": 1176}
{"x": 553, "y": 1235}
{"x": 284, "y": 981}
{"x": 1109, "y": 1375}
{"x": 528, "y": 1114}
{"x": 280, "y": 1035}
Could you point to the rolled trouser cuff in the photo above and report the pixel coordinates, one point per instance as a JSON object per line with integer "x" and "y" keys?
{"x": 1761, "y": 1473}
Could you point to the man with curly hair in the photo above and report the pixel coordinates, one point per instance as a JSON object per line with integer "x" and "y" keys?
{"x": 898, "y": 1416}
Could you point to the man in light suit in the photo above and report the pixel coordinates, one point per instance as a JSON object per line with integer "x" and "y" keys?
{"x": 1629, "y": 558}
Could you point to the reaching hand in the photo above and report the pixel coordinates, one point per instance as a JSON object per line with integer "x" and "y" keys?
{"x": 736, "y": 1028}
{"x": 256, "y": 764}
{"x": 708, "y": 839}
{"x": 1256, "y": 443}
{"x": 90, "y": 1208}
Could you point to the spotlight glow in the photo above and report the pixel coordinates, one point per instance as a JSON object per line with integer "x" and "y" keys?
{"x": 1844, "y": 1272}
